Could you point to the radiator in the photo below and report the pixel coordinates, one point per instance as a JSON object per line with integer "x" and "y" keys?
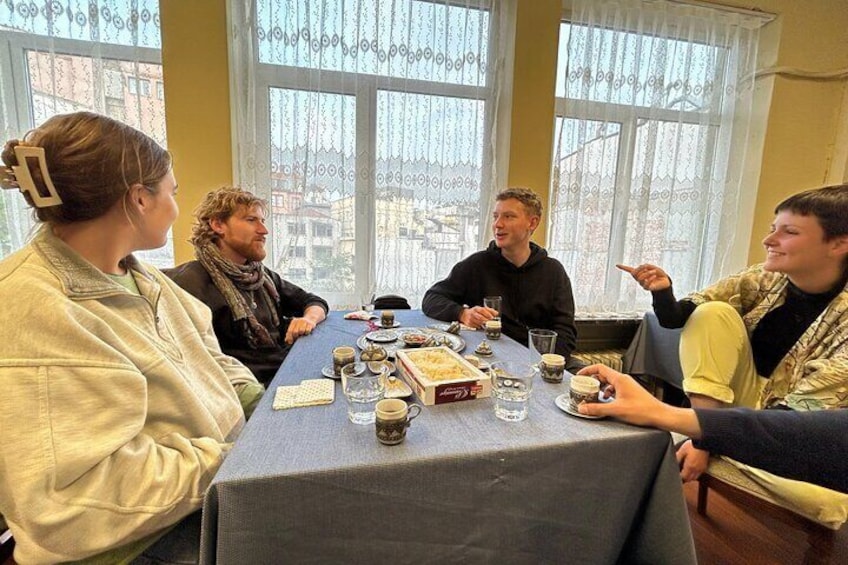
{"x": 610, "y": 357}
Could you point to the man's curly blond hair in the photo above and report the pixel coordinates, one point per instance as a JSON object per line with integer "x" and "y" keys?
{"x": 220, "y": 204}
{"x": 532, "y": 204}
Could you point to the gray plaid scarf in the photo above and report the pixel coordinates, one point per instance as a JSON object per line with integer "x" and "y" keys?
{"x": 230, "y": 279}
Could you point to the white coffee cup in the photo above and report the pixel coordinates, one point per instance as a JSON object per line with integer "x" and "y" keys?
{"x": 583, "y": 389}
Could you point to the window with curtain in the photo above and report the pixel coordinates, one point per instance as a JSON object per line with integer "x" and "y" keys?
{"x": 66, "y": 56}
{"x": 653, "y": 112}
{"x": 368, "y": 126}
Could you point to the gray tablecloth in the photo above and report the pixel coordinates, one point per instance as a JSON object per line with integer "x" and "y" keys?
{"x": 654, "y": 352}
{"x": 306, "y": 486}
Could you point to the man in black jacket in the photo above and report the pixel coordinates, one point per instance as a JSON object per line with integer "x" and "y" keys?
{"x": 535, "y": 290}
{"x": 255, "y": 313}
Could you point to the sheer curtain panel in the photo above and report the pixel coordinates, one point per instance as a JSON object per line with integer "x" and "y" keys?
{"x": 653, "y": 117}
{"x": 369, "y": 127}
{"x": 70, "y": 55}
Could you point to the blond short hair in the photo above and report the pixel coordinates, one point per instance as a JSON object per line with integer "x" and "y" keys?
{"x": 532, "y": 204}
{"x": 220, "y": 205}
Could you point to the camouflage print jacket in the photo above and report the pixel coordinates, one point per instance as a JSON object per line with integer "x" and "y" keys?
{"x": 814, "y": 373}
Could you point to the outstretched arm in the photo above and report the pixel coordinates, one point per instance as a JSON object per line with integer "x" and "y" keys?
{"x": 635, "y": 405}
{"x": 808, "y": 446}
{"x": 671, "y": 313}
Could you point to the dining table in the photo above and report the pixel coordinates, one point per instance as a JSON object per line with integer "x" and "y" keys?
{"x": 305, "y": 485}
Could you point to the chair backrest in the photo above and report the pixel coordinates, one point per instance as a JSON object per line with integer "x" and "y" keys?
{"x": 391, "y": 302}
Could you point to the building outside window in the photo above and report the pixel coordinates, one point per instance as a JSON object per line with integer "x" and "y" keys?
{"x": 371, "y": 116}
{"x": 652, "y": 114}
{"x": 49, "y": 64}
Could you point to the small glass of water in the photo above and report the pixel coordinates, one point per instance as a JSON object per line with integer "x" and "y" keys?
{"x": 493, "y": 302}
{"x": 540, "y": 342}
{"x": 512, "y": 383}
{"x": 366, "y": 303}
{"x": 362, "y": 389}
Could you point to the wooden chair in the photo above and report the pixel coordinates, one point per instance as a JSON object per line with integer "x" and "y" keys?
{"x": 736, "y": 487}
{"x": 391, "y": 302}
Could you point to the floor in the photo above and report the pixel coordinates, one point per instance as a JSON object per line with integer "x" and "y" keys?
{"x": 730, "y": 536}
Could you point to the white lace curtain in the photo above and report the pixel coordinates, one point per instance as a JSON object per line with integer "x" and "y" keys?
{"x": 64, "y": 56}
{"x": 653, "y": 115}
{"x": 369, "y": 127}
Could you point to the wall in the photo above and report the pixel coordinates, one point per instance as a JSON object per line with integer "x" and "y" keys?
{"x": 804, "y": 145}
{"x": 534, "y": 77}
{"x": 197, "y": 104}
{"x": 806, "y": 139}
{"x": 805, "y": 116}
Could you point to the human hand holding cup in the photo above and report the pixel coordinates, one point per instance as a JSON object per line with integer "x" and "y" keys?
{"x": 582, "y": 389}
{"x": 476, "y": 316}
{"x": 493, "y": 302}
{"x": 393, "y": 417}
{"x": 633, "y": 404}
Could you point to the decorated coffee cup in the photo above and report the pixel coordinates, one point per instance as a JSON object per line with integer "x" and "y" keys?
{"x": 387, "y": 318}
{"x": 583, "y": 389}
{"x": 342, "y": 356}
{"x": 493, "y": 329}
{"x": 552, "y": 367}
{"x": 393, "y": 417}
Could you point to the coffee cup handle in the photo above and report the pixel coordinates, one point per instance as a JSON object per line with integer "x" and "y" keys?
{"x": 410, "y": 415}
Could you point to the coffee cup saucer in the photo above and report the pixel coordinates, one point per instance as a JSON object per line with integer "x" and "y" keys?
{"x": 327, "y": 371}
{"x": 563, "y": 403}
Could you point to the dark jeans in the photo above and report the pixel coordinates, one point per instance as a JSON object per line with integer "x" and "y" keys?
{"x": 179, "y": 546}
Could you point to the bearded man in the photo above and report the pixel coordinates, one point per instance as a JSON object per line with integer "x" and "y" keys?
{"x": 255, "y": 313}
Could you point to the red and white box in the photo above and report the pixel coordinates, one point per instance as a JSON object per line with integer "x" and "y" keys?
{"x": 439, "y": 375}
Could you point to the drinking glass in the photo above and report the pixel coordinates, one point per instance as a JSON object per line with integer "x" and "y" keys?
{"x": 540, "y": 342}
{"x": 512, "y": 383}
{"x": 362, "y": 389}
{"x": 493, "y": 302}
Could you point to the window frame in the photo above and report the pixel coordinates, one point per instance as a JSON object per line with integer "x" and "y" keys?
{"x": 364, "y": 88}
{"x": 13, "y": 65}
{"x": 628, "y": 118}
{"x": 16, "y": 90}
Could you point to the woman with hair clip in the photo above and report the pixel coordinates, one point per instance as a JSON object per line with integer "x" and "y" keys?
{"x": 772, "y": 336}
{"x": 118, "y": 406}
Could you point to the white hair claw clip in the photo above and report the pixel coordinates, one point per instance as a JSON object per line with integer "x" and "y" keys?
{"x": 20, "y": 177}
